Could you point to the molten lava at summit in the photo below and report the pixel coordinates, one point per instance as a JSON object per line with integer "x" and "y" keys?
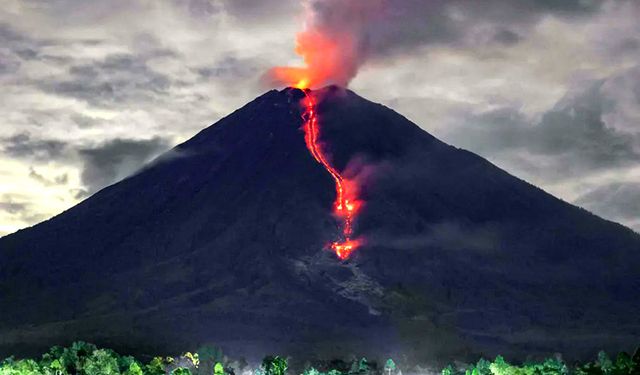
{"x": 346, "y": 204}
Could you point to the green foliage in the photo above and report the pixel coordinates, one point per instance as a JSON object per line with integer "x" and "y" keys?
{"x": 193, "y": 358}
{"x": 82, "y": 358}
{"x": 218, "y": 369}
{"x": 134, "y": 369}
{"x": 181, "y": 371}
{"x": 101, "y": 362}
{"x": 21, "y": 367}
{"x": 390, "y": 366}
{"x": 155, "y": 366}
{"x": 274, "y": 365}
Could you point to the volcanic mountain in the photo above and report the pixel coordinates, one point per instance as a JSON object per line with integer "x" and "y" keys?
{"x": 223, "y": 241}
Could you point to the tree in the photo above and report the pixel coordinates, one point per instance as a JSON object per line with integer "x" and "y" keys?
{"x": 449, "y": 370}
{"x": 623, "y": 365}
{"x": 101, "y": 362}
{"x": 155, "y": 367}
{"x": 181, "y": 371}
{"x": 134, "y": 369}
{"x": 274, "y": 365}
{"x": 605, "y": 363}
{"x": 218, "y": 369}
{"x": 21, "y": 367}
{"x": 483, "y": 367}
{"x": 553, "y": 366}
{"x": 56, "y": 367}
{"x": 390, "y": 366}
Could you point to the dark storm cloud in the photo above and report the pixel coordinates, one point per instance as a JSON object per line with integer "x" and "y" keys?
{"x": 115, "y": 80}
{"x": 111, "y": 161}
{"x": 573, "y": 133}
{"x": 25, "y": 146}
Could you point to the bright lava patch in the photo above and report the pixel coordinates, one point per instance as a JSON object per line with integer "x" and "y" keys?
{"x": 346, "y": 204}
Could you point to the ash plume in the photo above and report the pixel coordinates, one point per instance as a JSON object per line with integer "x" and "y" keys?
{"x": 340, "y": 36}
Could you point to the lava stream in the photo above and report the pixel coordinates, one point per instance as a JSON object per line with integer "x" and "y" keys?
{"x": 346, "y": 204}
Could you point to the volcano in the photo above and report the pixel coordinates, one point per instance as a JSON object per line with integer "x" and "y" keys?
{"x": 223, "y": 241}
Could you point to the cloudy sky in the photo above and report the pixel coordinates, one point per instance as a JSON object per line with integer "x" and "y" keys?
{"x": 547, "y": 89}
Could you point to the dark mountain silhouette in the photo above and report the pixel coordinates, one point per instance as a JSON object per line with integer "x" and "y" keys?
{"x": 222, "y": 241}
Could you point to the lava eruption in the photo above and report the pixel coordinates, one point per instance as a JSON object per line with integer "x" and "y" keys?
{"x": 331, "y": 55}
{"x": 333, "y": 44}
{"x": 346, "y": 204}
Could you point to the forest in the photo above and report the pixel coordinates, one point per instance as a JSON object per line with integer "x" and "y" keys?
{"x": 83, "y": 358}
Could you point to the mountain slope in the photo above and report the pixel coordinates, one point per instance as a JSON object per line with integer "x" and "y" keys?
{"x": 222, "y": 241}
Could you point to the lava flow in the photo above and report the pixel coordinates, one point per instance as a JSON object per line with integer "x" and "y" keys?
{"x": 346, "y": 204}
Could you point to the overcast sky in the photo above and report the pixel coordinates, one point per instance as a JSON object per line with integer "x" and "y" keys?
{"x": 547, "y": 89}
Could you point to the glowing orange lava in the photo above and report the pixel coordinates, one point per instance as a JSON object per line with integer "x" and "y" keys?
{"x": 346, "y": 204}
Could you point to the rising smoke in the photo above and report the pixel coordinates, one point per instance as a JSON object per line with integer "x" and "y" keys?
{"x": 339, "y": 36}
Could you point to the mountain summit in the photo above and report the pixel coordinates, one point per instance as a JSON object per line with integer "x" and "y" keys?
{"x": 223, "y": 241}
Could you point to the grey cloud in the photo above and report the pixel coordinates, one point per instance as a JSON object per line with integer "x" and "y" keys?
{"x": 19, "y": 206}
{"x": 24, "y": 146}
{"x": 18, "y": 47}
{"x": 200, "y": 8}
{"x": 618, "y": 201}
{"x": 84, "y": 121}
{"x": 61, "y": 179}
{"x": 506, "y": 37}
{"x": 230, "y": 68}
{"x": 261, "y": 11}
{"x": 12, "y": 207}
{"x": 109, "y": 162}
{"x": 573, "y": 133}
{"x": 398, "y": 26}
{"x": 8, "y": 63}
{"x": 629, "y": 44}
{"x": 117, "y": 79}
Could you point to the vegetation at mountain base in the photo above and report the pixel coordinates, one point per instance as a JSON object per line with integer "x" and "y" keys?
{"x": 83, "y": 358}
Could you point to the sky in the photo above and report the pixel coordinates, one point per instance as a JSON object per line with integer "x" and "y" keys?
{"x": 548, "y": 90}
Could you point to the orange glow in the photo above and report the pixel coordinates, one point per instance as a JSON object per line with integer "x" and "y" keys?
{"x": 346, "y": 205}
{"x": 328, "y": 59}
{"x": 344, "y": 249}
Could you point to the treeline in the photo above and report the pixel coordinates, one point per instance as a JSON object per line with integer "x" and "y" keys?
{"x": 86, "y": 359}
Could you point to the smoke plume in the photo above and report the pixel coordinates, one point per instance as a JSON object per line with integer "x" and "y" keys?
{"x": 339, "y": 36}
{"x": 331, "y": 43}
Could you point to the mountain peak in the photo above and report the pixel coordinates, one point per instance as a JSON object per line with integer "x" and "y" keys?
{"x": 226, "y": 244}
